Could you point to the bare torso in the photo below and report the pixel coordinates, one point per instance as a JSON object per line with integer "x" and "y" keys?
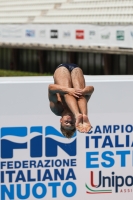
{"x": 59, "y": 107}
{"x": 60, "y": 79}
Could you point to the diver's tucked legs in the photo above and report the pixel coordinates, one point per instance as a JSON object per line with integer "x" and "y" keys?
{"x": 73, "y": 106}
{"x": 86, "y": 124}
{"x": 62, "y": 77}
{"x": 78, "y": 82}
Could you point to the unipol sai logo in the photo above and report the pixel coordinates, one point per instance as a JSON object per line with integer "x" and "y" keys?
{"x": 106, "y": 184}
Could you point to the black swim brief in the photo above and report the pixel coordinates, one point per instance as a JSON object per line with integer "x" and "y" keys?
{"x": 69, "y": 66}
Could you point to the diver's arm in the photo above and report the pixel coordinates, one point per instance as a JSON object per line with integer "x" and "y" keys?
{"x": 55, "y": 88}
{"x": 88, "y": 90}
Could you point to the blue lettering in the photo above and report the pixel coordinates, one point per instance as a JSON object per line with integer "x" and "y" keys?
{"x": 107, "y": 129}
{"x": 57, "y": 173}
{"x": 47, "y": 163}
{"x": 25, "y": 164}
{"x": 64, "y": 189}
{"x": 33, "y": 163}
{"x": 108, "y": 158}
{"x": 10, "y": 173}
{"x": 2, "y": 164}
{"x": 129, "y": 128}
{"x": 29, "y": 176}
{"x": 39, "y": 175}
{"x": 47, "y": 175}
{"x": 54, "y": 188}
{"x": 96, "y": 140}
{"x": 116, "y": 128}
{"x": 123, "y": 157}
{"x": 58, "y": 163}
{"x": 36, "y": 142}
{"x": 14, "y": 131}
{"x": 9, "y": 165}
{"x": 117, "y": 142}
{"x": 127, "y": 141}
{"x": 90, "y": 159}
{"x": 2, "y": 177}
{"x": 40, "y": 164}
{"x": 87, "y": 142}
{"x": 27, "y": 191}
{"x": 5, "y": 191}
{"x": 73, "y": 163}
{"x": 97, "y": 129}
{"x": 17, "y": 164}
{"x": 34, "y": 190}
{"x": 107, "y": 142}
{"x": 20, "y": 176}
{"x": 70, "y": 148}
{"x": 70, "y": 174}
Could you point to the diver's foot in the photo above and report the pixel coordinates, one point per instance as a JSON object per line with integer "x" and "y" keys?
{"x": 79, "y": 123}
{"x": 86, "y": 124}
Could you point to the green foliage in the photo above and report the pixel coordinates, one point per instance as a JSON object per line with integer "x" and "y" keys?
{"x": 20, "y": 73}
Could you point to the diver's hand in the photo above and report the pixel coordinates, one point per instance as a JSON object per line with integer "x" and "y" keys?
{"x": 74, "y": 92}
{"x": 88, "y": 90}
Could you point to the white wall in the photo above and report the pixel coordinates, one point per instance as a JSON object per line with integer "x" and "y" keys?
{"x": 24, "y": 103}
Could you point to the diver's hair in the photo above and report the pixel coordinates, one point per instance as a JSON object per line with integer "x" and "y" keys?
{"x": 67, "y": 133}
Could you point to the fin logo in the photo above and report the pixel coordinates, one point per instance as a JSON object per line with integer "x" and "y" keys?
{"x": 39, "y": 142}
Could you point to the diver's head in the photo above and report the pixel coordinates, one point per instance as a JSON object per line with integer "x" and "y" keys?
{"x": 67, "y": 124}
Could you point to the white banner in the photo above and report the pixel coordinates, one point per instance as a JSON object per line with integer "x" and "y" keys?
{"x": 68, "y": 34}
{"x": 37, "y": 162}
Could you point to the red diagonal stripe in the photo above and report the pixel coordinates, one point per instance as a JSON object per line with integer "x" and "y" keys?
{"x": 98, "y": 192}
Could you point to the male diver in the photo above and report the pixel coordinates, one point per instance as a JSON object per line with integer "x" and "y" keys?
{"x": 68, "y": 98}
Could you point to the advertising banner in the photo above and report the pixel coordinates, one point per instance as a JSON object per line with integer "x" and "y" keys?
{"x": 11, "y": 33}
{"x": 68, "y": 34}
{"x": 38, "y": 162}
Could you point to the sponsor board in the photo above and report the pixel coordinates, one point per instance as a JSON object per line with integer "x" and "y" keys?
{"x": 54, "y": 34}
{"x": 102, "y": 163}
{"x": 92, "y": 34}
{"x": 12, "y": 32}
{"x": 131, "y": 34}
{"x": 42, "y": 33}
{"x": 120, "y": 35}
{"x": 66, "y": 34}
{"x": 105, "y": 36}
{"x": 38, "y": 162}
{"x": 95, "y": 34}
{"x": 80, "y": 34}
{"x": 30, "y": 33}
{"x": 42, "y": 167}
